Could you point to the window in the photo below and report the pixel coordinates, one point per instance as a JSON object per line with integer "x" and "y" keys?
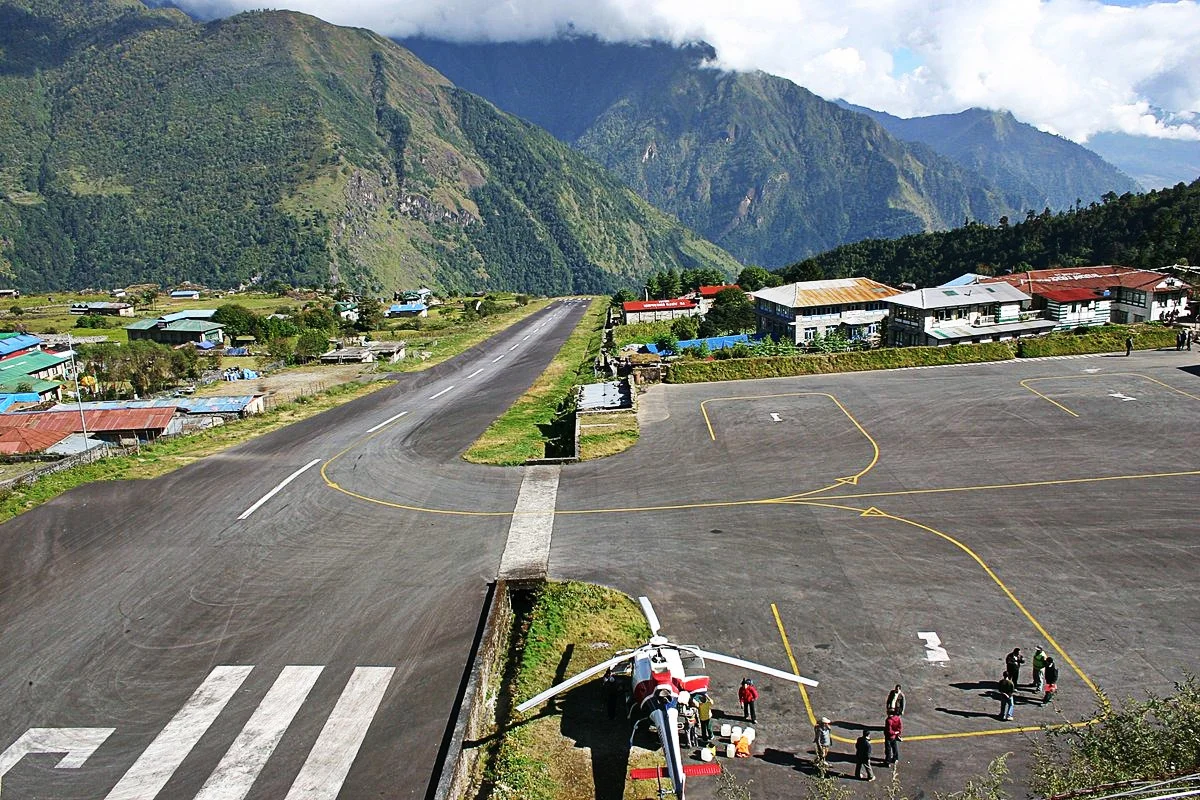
{"x": 810, "y": 334}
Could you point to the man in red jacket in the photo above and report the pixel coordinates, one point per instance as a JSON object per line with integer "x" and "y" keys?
{"x": 748, "y": 694}
{"x": 892, "y": 728}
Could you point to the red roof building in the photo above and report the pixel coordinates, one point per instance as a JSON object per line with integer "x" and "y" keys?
{"x": 20, "y": 441}
{"x": 1136, "y": 295}
{"x": 145, "y": 424}
{"x": 655, "y": 310}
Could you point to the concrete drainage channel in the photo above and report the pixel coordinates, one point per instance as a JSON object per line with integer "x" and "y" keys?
{"x": 483, "y": 705}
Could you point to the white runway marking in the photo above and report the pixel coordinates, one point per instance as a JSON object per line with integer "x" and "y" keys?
{"x": 442, "y": 392}
{"x": 278, "y": 488}
{"x": 527, "y": 552}
{"x": 473, "y": 374}
{"x": 329, "y": 761}
{"x": 244, "y": 759}
{"x": 933, "y": 647}
{"x": 775, "y": 418}
{"x": 1122, "y": 397}
{"x": 497, "y": 358}
{"x": 526, "y": 336}
{"x": 77, "y": 743}
{"x": 387, "y": 422}
{"x": 514, "y": 347}
{"x": 154, "y": 767}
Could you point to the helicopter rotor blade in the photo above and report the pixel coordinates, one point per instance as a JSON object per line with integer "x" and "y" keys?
{"x": 569, "y": 682}
{"x": 651, "y": 617}
{"x": 739, "y": 662}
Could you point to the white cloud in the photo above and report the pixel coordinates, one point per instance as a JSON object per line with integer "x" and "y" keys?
{"x": 1074, "y": 67}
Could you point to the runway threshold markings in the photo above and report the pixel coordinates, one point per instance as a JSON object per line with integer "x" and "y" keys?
{"x": 442, "y": 392}
{"x": 278, "y": 488}
{"x": 386, "y": 422}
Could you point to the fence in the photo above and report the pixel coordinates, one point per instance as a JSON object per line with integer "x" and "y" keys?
{"x": 86, "y": 457}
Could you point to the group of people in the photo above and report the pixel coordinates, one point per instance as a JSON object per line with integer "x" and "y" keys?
{"x": 1045, "y": 679}
{"x": 893, "y": 730}
{"x": 1184, "y": 338}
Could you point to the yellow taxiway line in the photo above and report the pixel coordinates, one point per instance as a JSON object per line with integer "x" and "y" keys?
{"x": 1025, "y": 383}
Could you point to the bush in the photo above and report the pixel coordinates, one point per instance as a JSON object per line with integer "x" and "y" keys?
{"x": 92, "y": 321}
{"x": 1102, "y": 339}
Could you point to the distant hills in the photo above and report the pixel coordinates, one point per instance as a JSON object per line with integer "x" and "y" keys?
{"x": 1035, "y": 170}
{"x": 763, "y": 167}
{"x": 139, "y": 145}
{"x": 1154, "y": 163}
{"x": 1147, "y": 231}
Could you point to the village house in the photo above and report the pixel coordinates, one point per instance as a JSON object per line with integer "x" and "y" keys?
{"x": 800, "y": 312}
{"x": 944, "y": 315}
{"x": 655, "y": 310}
{"x": 105, "y": 309}
{"x": 181, "y": 327}
{"x": 1133, "y": 295}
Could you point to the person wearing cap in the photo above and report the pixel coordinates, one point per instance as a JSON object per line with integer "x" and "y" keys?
{"x": 823, "y": 739}
{"x": 1039, "y": 669}
{"x": 862, "y": 757}
{"x": 1012, "y": 665}
{"x": 747, "y": 696}
{"x": 704, "y": 706}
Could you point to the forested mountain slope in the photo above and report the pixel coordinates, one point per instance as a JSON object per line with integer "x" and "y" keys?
{"x": 1147, "y": 231}
{"x": 139, "y": 145}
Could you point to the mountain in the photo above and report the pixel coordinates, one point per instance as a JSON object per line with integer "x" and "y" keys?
{"x": 1034, "y": 169}
{"x": 1146, "y": 231}
{"x": 1154, "y": 163}
{"x": 139, "y": 145}
{"x": 764, "y": 168}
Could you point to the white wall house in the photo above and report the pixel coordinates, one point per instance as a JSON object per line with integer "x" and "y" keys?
{"x": 800, "y": 312}
{"x": 655, "y": 310}
{"x": 1135, "y": 295}
{"x": 1074, "y": 308}
{"x": 977, "y": 313}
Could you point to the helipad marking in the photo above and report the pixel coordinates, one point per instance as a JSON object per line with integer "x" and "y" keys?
{"x": 77, "y": 745}
{"x": 1025, "y": 383}
{"x": 1122, "y": 397}
{"x": 775, "y": 418}
{"x": 933, "y": 647}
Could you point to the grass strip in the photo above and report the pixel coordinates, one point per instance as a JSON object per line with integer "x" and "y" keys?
{"x": 445, "y": 343}
{"x": 603, "y": 435}
{"x": 572, "y": 627}
{"x": 170, "y": 454}
{"x": 521, "y": 433}
{"x": 1103, "y": 339}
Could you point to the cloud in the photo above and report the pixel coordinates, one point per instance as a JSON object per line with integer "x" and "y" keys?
{"x": 1072, "y": 67}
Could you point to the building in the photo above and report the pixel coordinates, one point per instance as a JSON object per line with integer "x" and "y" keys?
{"x": 181, "y": 327}
{"x": 15, "y": 344}
{"x": 228, "y": 407}
{"x": 1074, "y": 307}
{"x": 1135, "y": 295}
{"x": 408, "y": 310}
{"x": 956, "y": 315}
{"x": 347, "y": 310}
{"x": 185, "y": 294}
{"x": 119, "y": 426}
{"x": 10, "y": 294}
{"x": 800, "y": 312}
{"x": 655, "y": 310}
{"x": 106, "y": 309}
{"x": 707, "y": 294}
{"x": 35, "y": 365}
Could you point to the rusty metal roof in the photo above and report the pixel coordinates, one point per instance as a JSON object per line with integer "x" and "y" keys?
{"x": 838, "y": 291}
{"x": 1107, "y": 276}
{"x": 28, "y": 440}
{"x": 127, "y": 419}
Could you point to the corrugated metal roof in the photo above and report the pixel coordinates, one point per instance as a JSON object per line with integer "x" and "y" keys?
{"x": 29, "y": 363}
{"x": 16, "y": 342}
{"x": 951, "y": 297}
{"x": 1069, "y": 295}
{"x": 406, "y": 307}
{"x": 128, "y": 419}
{"x": 233, "y": 404}
{"x": 193, "y": 326}
{"x": 28, "y": 440}
{"x": 838, "y": 291}
{"x": 1101, "y": 277}
{"x": 971, "y": 331}
{"x": 190, "y": 313}
{"x": 966, "y": 279}
{"x": 10, "y": 384}
{"x": 711, "y": 291}
{"x": 659, "y": 305}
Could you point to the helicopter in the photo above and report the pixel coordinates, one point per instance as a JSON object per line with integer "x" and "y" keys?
{"x": 658, "y": 674}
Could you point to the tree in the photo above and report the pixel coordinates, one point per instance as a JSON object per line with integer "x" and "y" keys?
{"x": 754, "y": 278}
{"x": 148, "y": 296}
{"x": 666, "y": 343}
{"x": 310, "y": 344}
{"x": 670, "y": 285}
{"x": 370, "y": 314}
{"x": 622, "y": 296}
{"x": 24, "y": 387}
{"x": 237, "y": 319}
{"x": 685, "y": 328}
{"x": 731, "y": 312}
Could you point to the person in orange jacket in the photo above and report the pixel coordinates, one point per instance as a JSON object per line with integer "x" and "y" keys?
{"x": 747, "y": 695}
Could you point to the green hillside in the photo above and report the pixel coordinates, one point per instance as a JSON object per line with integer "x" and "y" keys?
{"x": 137, "y": 145}
{"x": 1147, "y": 231}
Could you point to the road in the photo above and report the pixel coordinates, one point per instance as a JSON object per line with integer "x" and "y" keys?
{"x": 236, "y": 629}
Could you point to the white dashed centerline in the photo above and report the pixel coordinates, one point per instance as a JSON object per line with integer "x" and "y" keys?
{"x": 514, "y": 347}
{"x": 387, "y": 421}
{"x": 442, "y": 392}
{"x": 278, "y": 488}
{"x": 473, "y": 374}
{"x": 497, "y": 358}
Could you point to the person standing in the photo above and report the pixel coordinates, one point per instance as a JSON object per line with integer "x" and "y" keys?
{"x": 704, "y": 707}
{"x": 1012, "y": 665}
{"x": 862, "y": 757}
{"x": 1051, "y": 680}
{"x": 1039, "y": 669}
{"x": 1006, "y": 688}
{"x": 823, "y": 739}
{"x": 895, "y": 701}
{"x": 893, "y": 727}
{"x": 1128, "y": 345}
{"x": 1191, "y": 337}
{"x": 748, "y": 696}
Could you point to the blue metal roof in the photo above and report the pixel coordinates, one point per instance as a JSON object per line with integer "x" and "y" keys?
{"x": 18, "y": 342}
{"x": 966, "y": 279}
{"x": 406, "y": 307}
{"x": 192, "y": 313}
{"x": 191, "y": 405}
{"x": 713, "y": 342}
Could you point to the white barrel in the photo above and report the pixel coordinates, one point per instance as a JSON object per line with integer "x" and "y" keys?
{"x": 736, "y": 733}
{"x": 730, "y": 750}
{"x": 749, "y": 734}
{"x": 706, "y": 754}
{"x": 725, "y": 730}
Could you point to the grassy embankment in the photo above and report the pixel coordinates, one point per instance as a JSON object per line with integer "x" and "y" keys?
{"x": 170, "y": 454}
{"x": 537, "y": 418}
{"x": 534, "y": 759}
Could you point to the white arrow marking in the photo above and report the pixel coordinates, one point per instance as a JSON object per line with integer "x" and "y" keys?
{"x": 775, "y": 418}
{"x": 244, "y": 759}
{"x": 330, "y": 760}
{"x": 77, "y": 743}
{"x": 442, "y": 392}
{"x": 278, "y": 488}
{"x": 1122, "y": 397}
{"x": 158, "y": 762}
{"x": 933, "y": 646}
{"x": 387, "y": 422}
